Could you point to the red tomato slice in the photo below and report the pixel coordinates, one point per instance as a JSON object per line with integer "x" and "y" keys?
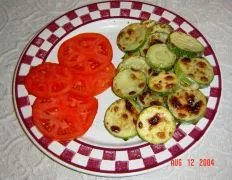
{"x": 86, "y": 53}
{"x": 93, "y": 84}
{"x": 103, "y": 79}
{"x": 49, "y": 80}
{"x": 65, "y": 117}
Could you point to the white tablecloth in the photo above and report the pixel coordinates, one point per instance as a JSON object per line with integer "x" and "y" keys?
{"x": 20, "y": 159}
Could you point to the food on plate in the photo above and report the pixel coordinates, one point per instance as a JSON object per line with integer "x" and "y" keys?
{"x": 194, "y": 71}
{"x": 132, "y": 37}
{"x": 163, "y": 82}
{"x": 187, "y": 106}
{"x": 159, "y": 57}
{"x": 65, "y": 106}
{"x": 121, "y": 117}
{"x": 64, "y": 117}
{"x": 135, "y": 63}
{"x": 157, "y": 33}
{"x": 161, "y": 71}
{"x": 129, "y": 83}
{"x": 86, "y": 52}
{"x": 156, "y": 124}
{"x": 184, "y": 45}
{"x": 149, "y": 98}
{"x": 93, "y": 84}
{"x": 49, "y": 80}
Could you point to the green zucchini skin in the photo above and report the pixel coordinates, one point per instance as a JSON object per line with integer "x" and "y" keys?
{"x": 187, "y": 106}
{"x": 121, "y": 117}
{"x": 132, "y": 37}
{"x": 156, "y": 125}
{"x": 129, "y": 83}
{"x": 157, "y": 33}
{"x": 159, "y": 57}
{"x": 195, "y": 72}
{"x": 181, "y": 48}
{"x": 136, "y": 63}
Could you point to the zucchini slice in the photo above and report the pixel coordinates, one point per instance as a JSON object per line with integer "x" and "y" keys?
{"x": 155, "y": 38}
{"x": 163, "y": 82}
{"x": 129, "y": 83}
{"x": 149, "y": 23}
{"x": 187, "y": 106}
{"x": 148, "y": 98}
{"x": 135, "y": 63}
{"x": 156, "y": 125}
{"x": 194, "y": 71}
{"x": 158, "y": 33}
{"x": 121, "y": 117}
{"x": 160, "y": 58}
{"x": 184, "y": 45}
{"x": 132, "y": 37}
{"x": 162, "y": 27}
{"x": 130, "y": 54}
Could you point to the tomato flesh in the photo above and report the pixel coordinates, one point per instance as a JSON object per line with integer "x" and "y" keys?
{"x": 94, "y": 84}
{"x": 49, "y": 80}
{"x": 86, "y": 53}
{"x": 65, "y": 117}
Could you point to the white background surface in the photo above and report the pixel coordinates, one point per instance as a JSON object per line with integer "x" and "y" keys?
{"x": 20, "y": 159}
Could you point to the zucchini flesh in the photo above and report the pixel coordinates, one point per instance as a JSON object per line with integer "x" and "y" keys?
{"x": 163, "y": 82}
{"x": 132, "y": 37}
{"x": 160, "y": 58}
{"x": 135, "y": 63}
{"x": 184, "y": 45}
{"x": 187, "y": 106}
{"x": 156, "y": 124}
{"x": 158, "y": 33}
{"x": 121, "y": 117}
{"x": 129, "y": 83}
{"x": 148, "y": 98}
{"x": 162, "y": 27}
{"x": 149, "y": 23}
{"x": 155, "y": 38}
{"x": 197, "y": 69}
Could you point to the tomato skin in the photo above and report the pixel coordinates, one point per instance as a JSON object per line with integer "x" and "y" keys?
{"x": 65, "y": 117}
{"x": 93, "y": 84}
{"x": 86, "y": 53}
{"x": 49, "y": 80}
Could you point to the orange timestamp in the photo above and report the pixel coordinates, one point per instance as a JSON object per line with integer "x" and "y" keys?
{"x": 202, "y": 162}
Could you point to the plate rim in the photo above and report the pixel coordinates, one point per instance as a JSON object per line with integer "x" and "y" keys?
{"x": 101, "y": 173}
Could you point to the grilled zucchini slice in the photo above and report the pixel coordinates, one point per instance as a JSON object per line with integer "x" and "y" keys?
{"x": 156, "y": 125}
{"x": 129, "y": 83}
{"x": 132, "y": 37}
{"x": 148, "y": 98}
{"x": 159, "y": 57}
{"x": 163, "y": 82}
{"x": 184, "y": 45}
{"x": 121, "y": 117}
{"x": 157, "y": 33}
{"x": 187, "y": 106}
{"x": 198, "y": 70}
{"x": 135, "y": 63}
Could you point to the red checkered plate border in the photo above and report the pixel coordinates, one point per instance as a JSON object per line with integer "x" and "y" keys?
{"x": 109, "y": 161}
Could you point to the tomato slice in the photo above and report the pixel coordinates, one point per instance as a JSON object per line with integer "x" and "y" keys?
{"x": 86, "y": 53}
{"x": 93, "y": 84}
{"x": 65, "y": 117}
{"x": 103, "y": 79}
{"x": 49, "y": 80}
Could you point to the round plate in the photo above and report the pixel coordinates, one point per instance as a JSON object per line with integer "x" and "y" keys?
{"x": 97, "y": 152}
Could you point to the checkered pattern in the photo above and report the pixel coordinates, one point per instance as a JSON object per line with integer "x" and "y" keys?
{"x": 81, "y": 156}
